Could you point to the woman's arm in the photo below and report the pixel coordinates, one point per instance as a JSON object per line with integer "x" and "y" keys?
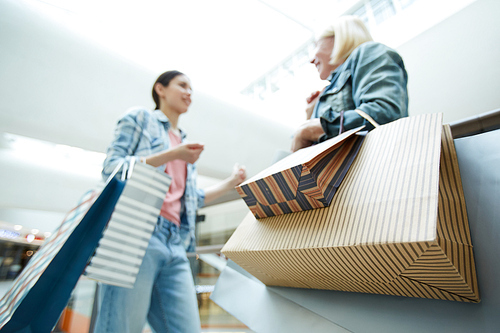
{"x": 188, "y": 152}
{"x": 216, "y": 191}
{"x": 128, "y": 134}
{"x": 126, "y": 138}
{"x": 380, "y": 83}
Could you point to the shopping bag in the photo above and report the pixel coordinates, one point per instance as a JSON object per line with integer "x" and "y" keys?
{"x": 123, "y": 245}
{"x": 41, "y": 291}
{"x": 304, "y": 180}
{"x": 397, "y": 225}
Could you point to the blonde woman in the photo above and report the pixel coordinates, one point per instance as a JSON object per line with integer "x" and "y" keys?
{"x": 364, "y": 75}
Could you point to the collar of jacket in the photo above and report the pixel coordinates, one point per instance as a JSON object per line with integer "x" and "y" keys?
{"x": 161, "y": 117}
{"x": 338, "y": 70}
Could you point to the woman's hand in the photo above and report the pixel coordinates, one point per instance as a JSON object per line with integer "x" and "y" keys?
{"x": 216, "y": 191}
{"x": 306, "y": 134}
{"x": 188, "y": 152}
{"x": 238, "y": 175}
{"x": 311, "y": 103}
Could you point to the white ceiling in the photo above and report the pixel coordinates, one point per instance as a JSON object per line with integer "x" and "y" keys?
{"x": 71, "y": 68}
{"x": 67, "y": 75}
{"x": 221, "y": 44}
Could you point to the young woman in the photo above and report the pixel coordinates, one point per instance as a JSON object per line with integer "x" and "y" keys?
{"x": 364, "y": 75}
{"x": 164, "y": 292}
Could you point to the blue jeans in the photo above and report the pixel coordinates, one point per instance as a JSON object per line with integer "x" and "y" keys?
{"x": 163, "y": 293}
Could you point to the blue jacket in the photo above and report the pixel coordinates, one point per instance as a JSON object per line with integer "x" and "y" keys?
{"x": 372, "y": 79}
{"x": 141, "y": 132}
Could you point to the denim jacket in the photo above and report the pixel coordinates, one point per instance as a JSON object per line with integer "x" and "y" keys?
{"x": 372, "y": 79}
{"x": 141, "y": 132}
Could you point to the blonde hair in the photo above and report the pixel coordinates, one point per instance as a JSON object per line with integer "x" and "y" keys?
{"x": 349, "y": 33}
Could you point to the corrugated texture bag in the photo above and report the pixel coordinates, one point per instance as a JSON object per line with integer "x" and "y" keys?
{"x": 397, "y": 225}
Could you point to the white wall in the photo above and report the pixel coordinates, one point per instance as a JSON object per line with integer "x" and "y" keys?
{"x": 59, "y": 87}
{"x": 453, "y": 67}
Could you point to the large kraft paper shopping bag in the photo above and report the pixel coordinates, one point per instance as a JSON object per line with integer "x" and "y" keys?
{"x": 304, "y": 180}
{"x": 397, "y": 225}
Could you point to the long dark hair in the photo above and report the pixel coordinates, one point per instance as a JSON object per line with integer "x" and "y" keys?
{"x": 164, "y": 79}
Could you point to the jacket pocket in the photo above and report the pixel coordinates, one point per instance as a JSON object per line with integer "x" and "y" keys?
{"x": 336, "y": 99}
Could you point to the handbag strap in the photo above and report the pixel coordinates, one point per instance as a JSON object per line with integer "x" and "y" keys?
{"x": 362, "y": 114}
{"x": 126, "y": 166}
{"x": 367, "y": 117}
{"x": 126, "y": 174}
{"x": 121, "y": 164}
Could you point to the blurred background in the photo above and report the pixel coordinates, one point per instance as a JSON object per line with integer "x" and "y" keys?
{"x": 70, "y": 68}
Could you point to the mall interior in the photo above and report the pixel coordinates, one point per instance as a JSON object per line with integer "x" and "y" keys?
{"x": 70, "y": 69}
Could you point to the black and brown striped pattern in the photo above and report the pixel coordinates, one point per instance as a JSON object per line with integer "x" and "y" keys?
{"x": 299, "y": 183}
{"x": 396, "y": 226}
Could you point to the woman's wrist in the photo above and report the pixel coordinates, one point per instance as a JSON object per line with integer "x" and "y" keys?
{"x": 170, "y": 155}
{"x": 157, "y": 159}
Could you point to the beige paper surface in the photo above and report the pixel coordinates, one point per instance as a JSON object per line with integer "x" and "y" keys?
{"x": 397, "y": 224}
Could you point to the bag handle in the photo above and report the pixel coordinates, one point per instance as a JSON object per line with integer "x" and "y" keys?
{"x": 367, "y": 117}
{"x": 126, "y": 166}
{"x": 362, "y": 114}
{"x": 126, "y": 174}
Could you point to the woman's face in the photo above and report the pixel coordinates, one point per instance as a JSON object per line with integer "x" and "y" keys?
{"x": 322, "y": 57}
{"x": 177, "y": 95}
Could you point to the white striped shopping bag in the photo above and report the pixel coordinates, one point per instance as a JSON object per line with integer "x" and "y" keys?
{"x": 127, "y": 207}
{"x": 120, "y": 252}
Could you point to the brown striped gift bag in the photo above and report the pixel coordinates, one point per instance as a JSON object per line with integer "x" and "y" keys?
{"x": 306, "y": 179}
{"x": 397, "y": 225}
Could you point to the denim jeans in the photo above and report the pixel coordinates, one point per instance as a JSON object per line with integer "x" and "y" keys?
{"x": 163, "y": 293}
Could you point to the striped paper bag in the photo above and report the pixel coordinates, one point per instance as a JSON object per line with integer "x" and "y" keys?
{"x": 397, "y": 225}
{"x": 41, "y": 291}
{"x": 304, "y": 180}
{"x": 129, "y": 208}
{"x": 121, "y": 249}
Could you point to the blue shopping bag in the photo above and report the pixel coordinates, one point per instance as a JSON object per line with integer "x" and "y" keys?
{"x": 42, "y": 290}
{"x": 126, "y": 207}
